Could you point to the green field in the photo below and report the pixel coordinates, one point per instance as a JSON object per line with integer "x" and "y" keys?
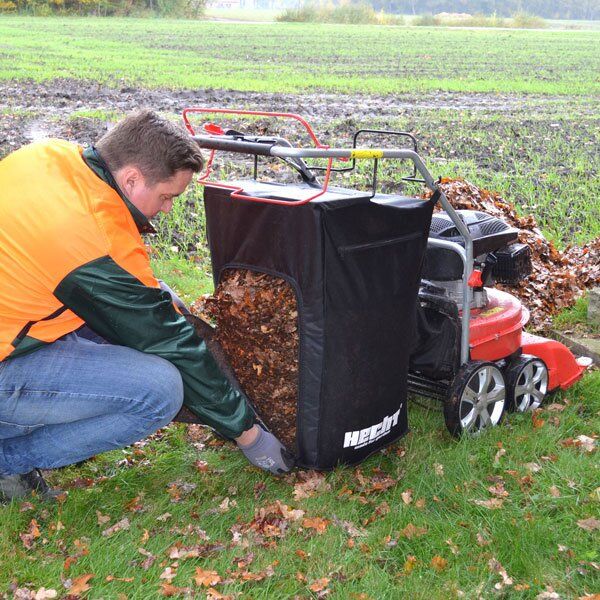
{"x": 297, "y": 57}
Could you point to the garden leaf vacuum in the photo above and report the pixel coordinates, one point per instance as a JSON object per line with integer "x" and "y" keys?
{"x": 390, "y": 298}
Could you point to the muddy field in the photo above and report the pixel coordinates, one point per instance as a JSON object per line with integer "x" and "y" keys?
{"x": 537, "y": 151}
{"x": 30, "y": 110}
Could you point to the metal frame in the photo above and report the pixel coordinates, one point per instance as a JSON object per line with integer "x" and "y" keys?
{"x": 279, "y": 148}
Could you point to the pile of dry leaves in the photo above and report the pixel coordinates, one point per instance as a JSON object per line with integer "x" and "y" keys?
{"x": 558, "y": 278}
{"x": 256, "y": 318}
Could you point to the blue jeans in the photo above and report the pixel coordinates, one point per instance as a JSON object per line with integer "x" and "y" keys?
{"x": 80, "y": 396}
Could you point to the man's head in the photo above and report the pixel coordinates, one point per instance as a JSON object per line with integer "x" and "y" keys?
{"x": 151, "y": 159}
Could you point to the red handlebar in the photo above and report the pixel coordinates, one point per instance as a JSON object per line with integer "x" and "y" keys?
{"x": 238, "y": 192}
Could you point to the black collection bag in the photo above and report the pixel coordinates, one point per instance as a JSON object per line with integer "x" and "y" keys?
{"x": 354, "y": 263}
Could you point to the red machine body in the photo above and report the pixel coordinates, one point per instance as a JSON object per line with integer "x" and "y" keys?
{"x": 496, "y": 332}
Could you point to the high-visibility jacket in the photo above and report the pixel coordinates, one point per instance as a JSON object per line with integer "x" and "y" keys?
{"x": 71, "y": 252}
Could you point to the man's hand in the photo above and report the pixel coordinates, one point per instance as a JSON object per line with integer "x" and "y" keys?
{"x": 264, "y": 450}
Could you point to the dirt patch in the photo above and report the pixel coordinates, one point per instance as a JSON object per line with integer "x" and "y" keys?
{"x": 51, "y": 104}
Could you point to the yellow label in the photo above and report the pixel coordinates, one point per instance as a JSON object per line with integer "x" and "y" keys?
{"x": 366, "y": 154}
{"x": 492, "y": 311}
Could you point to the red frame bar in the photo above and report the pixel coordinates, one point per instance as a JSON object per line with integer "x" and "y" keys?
{"x": 238, "y": 192}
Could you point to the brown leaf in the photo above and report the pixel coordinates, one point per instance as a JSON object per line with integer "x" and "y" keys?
{"x": 317, "y": 523}
{"x": 319, "y": 585}
{"x": 312, "y": 482}
{"x": 118, "y": 526}
{"x": 498, "y": 490}
{"x": 167, "y": 589}
{"x": 150, "y": 558}
{"x": 206, "y": 578}
{"x": 438, "y": 563}
{"x": 80, "y": 584}
{"x": 102, "y": 519}
{"x": 554, "y": 492}
{"x": 409, "y": 564}
{"x": 411, "y": 531}
{"x": 590, "y": 524}
{"x": 407, "y": 496}
{"x": 168, "y": 574}
{"x": 492, "y": 503}
{"x": 33, "y": 532}
{"x": 110, "y": 578}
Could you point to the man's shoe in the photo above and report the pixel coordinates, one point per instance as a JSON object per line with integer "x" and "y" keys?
{"x": 18, "y": 486}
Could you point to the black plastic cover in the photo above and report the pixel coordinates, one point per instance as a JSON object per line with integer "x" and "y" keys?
{"x": 355, "y": 264}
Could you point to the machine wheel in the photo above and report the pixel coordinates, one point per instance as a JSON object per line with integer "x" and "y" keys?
{"x": 527, "y": 383}
{"x": 476, "y": 399}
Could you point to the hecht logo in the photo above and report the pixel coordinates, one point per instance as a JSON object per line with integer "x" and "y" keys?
{"x": 363, "y": 437}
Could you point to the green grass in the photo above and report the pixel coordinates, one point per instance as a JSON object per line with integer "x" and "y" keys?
{"x": 534, "y": 536}
{"x": 298, "y": 57}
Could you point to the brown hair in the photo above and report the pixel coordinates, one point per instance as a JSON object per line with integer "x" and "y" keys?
{"x": 157, "y": 147}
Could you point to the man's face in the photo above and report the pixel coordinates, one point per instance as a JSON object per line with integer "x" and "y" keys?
{"x": 152, "y": 199}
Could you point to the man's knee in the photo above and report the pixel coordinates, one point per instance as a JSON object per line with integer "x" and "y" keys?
{"x": 164, "y": 388}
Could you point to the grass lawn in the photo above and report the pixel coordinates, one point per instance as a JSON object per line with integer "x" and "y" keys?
{"x": 297, "y": 57}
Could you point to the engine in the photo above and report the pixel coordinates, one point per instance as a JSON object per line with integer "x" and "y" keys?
{"x": 496, "y": 250}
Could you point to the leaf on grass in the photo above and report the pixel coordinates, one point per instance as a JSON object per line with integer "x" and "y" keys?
{"x": 311, "y": 482}
{"x": 453, "y": 547}
{"x": 349, "y": 528}
{"x": 118, "y": 526}
{"x": 44, "y": 594}
{"x": 439, "y": 469}
{"x": 102, "y": 519}
{"x": 590, "y": 524}
{"x": 317, "y": 523}
{"x": 288, "y": 512}
{"x": 548, "y": 594}
{"x": 167, "y": 589}
{"x": 438, "y": 563}
{"x": 409, "y": 564}
{"x": 412, "y": 531}
{"x": 533, "y": 467}
{"x": 492, "y": 503}
{"x": 25, "y": 506}
{"x": 80, "y": 584}
{"x": 33, "y": 532}
{"x": 555, "y": 407}
{"x": 168, "y": 574}
{"x": 536, "y": 418}
{"x": 145, "y": 537}
{"x": 554, "y": 492}
{"x": 164, "y": 517}
{"x": 319, "y": 585}
{"x": 110, "y": 578}
{"x": 498, "y": 490}
{"x": 150, "y": 558}
{"x": 499, "y": 455}
{"x": 496, "y": 567}
{"x": 407, "y": 496}
{"x": 206, "y": 578}
{"x": 583, "y": 441}
{"x": 482, "y": 538}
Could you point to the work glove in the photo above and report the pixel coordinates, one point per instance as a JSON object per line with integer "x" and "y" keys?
{"x": 267, "y": 452}
{"x": 176, "y": 299}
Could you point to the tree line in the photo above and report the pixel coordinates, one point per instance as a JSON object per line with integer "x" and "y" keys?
{"x": 549, "y": 9}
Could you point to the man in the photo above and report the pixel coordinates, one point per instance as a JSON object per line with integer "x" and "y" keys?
{"x": 94, "y": 355}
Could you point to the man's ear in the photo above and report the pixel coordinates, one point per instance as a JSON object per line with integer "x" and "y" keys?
{"x": 130, "y": 178}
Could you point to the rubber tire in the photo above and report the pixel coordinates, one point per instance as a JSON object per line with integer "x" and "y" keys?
{"x": 511, "y": 375}
{"x": 455, "y": 391}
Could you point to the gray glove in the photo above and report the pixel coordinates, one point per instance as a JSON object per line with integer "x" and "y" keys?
{"x": 176, "y": 299}
{"x": 267, "y": 452}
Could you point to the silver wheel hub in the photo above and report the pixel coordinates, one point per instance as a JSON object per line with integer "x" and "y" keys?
{"x": 482, "y": 400}
{"x": 531, "y": 386}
